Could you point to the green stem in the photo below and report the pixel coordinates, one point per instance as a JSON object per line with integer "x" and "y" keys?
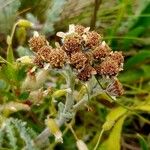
{"x": 99, "y": 139}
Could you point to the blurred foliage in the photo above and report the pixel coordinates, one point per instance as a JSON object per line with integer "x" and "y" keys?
{"x": 125, "y": 24}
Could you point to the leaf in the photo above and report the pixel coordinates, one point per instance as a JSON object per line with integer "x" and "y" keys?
{"x": 131, "y": 75}
{"x": 12, "y": 107}
{"x": 10, "y": 55}
{"x": 114, "y": 138}
{"x": 8, "y": 12}
{"x": 113, "y": 116}
{"x": 132, "y": 33}
{"x": 142, "y": 142}
{"x": 145, "y": 107}
{"x": 139, "y": 58}
{"x": 112, "y": 142}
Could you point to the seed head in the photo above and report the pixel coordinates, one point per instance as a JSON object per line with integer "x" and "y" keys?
{"x": 108, "y": 68}
{"x": 86, "y": 73}
{"x": 101, "y": 51}
{"x": 117, "y": 57}
{"x": 44, "y": 52}
{"x": 57, "y": 58}
{"x": 38, "y": 61}
{"x": 92, "y": 39}
{"x": 37, "y": 42}
{"x": 115, "y": 88}
{"x": 78, "y": 60}
{"x": 72, "y": 44}
{"x": 79, "y": 29}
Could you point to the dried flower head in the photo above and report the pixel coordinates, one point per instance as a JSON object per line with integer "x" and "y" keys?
{"x": 38, "y": 61}
{"x": 72, "y": 44}
{"x": 79, "y": 29}
{"x": 57, "y": 58}
{"x": 92, "y": 39}
{"x": 108, "y": 68}
{"x": 117, "y": 57}
{"x": 86, "y": 73}
{"x": 101, "y": 51}
{"x": 78, "y": 60}
{"x": 115, "y": 88}
{"x": 37, "y": 42}
{"x": 44, "y": 52}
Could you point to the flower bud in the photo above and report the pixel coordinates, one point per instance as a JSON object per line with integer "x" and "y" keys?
{"x": 25, "y": 60}
{"x": 37, "y": 42}
{"x": 81, "y": 145}
{"x": 60, "y": 93}
{"x": 86, "y": 73}
{"x": 54, "y": 129}
{"x": 78, "y": 60}
{"x": 24, "y": 23}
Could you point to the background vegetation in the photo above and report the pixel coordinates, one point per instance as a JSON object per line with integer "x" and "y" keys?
{"x": 125, "y": 26}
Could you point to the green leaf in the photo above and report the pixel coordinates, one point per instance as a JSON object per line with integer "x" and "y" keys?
{"x": 24, "y": 95}
{"x": 143, "y": 143}
{"x": 139, "y": 58}
{"x": 10, "y": 55}
{"x": 115, "y": 135}
{"x": 113, "y": 141}
{"x": 113, "y": 116}
{"x": 132, "y": 33}
{"x": 131, "y": 75}
{"x": 145, "y": 107}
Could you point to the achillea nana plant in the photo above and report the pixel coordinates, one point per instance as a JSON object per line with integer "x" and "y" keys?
{"x": 81, "y": 57}
{"x": 88, "y": 67}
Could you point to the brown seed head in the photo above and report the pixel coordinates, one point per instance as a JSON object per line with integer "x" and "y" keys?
{"x": 78, "y": 60}
{"x": 57, "y": 58}
{"x": 37, "y": 42}
{"x": 115, "y": 88}
{"x": 101, "y": 51}
{"x": 86, "y": 73}
{"x": 72, "y": 44}
{"x": 38, "y": 61}
{"x": 79, "y": 29}
{"x": 44, "y": 52}
{"x": 108, "y": 68}
{"x": 117, "y": 57}
{"x": 92, "y": 39}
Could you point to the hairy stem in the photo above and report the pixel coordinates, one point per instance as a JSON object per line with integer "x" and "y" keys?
{"x": 42, "y": 138}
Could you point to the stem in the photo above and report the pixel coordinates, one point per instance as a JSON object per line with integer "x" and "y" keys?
{"x": 99, "y": 139}
{"x": 73, "y": 132}
{"x": 94, "y": 17}
{"x": 42, "y": 138}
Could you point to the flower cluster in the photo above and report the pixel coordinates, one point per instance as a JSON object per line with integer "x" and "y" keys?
{"x": 84, "y": 51}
